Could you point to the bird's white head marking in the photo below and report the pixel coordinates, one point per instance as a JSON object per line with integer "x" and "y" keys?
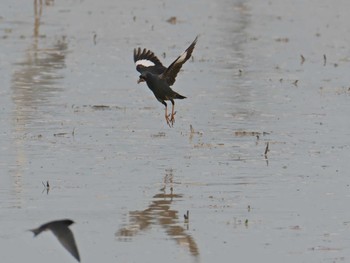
{"x": 144, "y": 62}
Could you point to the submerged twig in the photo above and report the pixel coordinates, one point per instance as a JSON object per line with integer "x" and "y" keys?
{"x": 95, "y": 39}
{"x": 191, "y": 128}
{"x": 192, "y": 132}
{"x": 46, "y": 187}
{"x": 187, "y": 216}
{"x": 266, "y": 149}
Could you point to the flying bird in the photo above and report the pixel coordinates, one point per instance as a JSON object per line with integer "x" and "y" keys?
{"x": 159, "y": 78}
{"x": 64, "y": 235}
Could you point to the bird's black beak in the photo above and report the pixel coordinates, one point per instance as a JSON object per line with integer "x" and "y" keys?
{"x": 140, "y": 80}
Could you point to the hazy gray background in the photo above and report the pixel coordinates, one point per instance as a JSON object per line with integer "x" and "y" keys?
{"x": 126, "y": 178}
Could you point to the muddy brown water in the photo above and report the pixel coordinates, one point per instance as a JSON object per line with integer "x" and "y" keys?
{"x": 262, "y": 72}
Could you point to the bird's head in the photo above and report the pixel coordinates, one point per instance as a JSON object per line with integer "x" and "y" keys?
{"x": 142, "y": 78}
{"x": 67, "y": 222}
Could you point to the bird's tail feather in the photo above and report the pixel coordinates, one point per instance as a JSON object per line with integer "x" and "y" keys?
{"x": 36, "y": 231}
{"x": 178, "y": 96}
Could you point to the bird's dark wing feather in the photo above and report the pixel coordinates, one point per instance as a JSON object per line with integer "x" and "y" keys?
{"x": 145, "y": 60}
{"x": 66, "y": 238}
{"x": 171, "y": 72}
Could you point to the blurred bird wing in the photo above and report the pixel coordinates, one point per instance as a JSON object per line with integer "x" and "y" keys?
{"x": 66, "y": 238}
{"x": 145, "y": 60}
{"x": 171, "y": 72}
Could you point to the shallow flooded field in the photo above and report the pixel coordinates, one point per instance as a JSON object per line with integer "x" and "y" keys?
{"x": 258, "y": 155}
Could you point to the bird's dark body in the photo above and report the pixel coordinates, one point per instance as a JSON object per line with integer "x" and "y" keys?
{"x": 160, "y": 88}
{"x": 52, "y": 225}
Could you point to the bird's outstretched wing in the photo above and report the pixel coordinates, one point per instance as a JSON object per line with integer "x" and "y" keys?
{"x": 66, "y": 238}
{"x": 145, "y": 60}
{"x": 171, "y": 72}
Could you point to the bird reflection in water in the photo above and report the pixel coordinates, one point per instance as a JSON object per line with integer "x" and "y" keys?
{"x": 159, "y": 213}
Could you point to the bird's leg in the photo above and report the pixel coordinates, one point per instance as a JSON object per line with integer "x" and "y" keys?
{"x": 172, "y": 116}
{"x": 166, "y": 114}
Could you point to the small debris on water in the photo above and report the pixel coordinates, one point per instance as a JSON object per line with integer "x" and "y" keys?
{"x": 192, "y": 132}
{"x": 158, "y": 135}
{"x": 100, "y": 107}
{"x": 191, "y": 128}
{"x": 187, "y": 216}
{"x": 282, "y": 39}
{"x": 266, "y": 149}
{"x": 46, "y": 187}
{"x": 172, "y": 20}
{"x": 250, "y": 133}
{"x": 95, "y": 39}
{"x": 96, "y": 107}
{"x": 60, "y": 134}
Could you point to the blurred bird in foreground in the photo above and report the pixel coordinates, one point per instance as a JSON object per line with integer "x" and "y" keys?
{"x": 60, "y": 228}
